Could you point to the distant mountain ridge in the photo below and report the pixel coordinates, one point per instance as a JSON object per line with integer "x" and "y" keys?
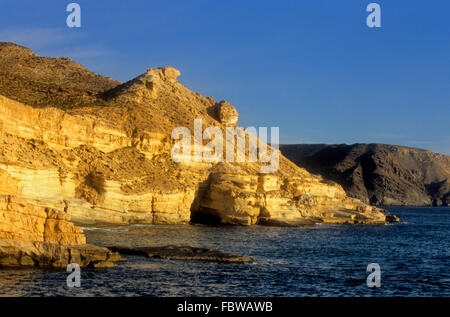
{"x": 379, "y": 174}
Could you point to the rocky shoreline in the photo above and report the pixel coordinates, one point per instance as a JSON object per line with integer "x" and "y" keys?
{"x": 184, "y": 253}
{"x": 79, "y": 148}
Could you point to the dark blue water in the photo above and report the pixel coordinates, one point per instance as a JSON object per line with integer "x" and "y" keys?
{"x": 325, "y": 260}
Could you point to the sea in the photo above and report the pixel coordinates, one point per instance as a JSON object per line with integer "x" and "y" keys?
{"x": 321, "y": 260}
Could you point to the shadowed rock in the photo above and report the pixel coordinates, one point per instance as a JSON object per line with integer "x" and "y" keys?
{"x": 51, "y": 255}
{"x": 101, "y": 151}
{"x": 186, "y": 253}
{"x": 227, "y": 113}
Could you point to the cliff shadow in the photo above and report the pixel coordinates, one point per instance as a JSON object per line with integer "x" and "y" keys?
{"x": 200, "y": 215}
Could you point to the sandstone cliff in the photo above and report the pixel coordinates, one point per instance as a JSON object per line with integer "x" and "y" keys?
{"x": 379, "y": 174}
{"x": 100, "y": 151}
{"x": 31, "y": 235}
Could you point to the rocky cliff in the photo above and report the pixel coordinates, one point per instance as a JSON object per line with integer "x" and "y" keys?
{"x": 32, "y": 235}
{"x": 100, "y": 151}
{"x": 379, "y": 174}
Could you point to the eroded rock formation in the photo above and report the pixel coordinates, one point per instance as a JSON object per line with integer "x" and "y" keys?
{"x": 106, "y": 157}
{"x": 227, "y": 114}
{"x": 185, "y": 253}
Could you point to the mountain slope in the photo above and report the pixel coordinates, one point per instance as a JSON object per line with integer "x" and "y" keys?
{"x": 379, "y": 174}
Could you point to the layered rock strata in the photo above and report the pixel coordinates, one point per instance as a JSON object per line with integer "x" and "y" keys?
{"x": 106, "y": 158}
{"x": 379, "y": 174}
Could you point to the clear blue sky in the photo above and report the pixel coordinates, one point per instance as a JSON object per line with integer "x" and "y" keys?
{"x": 313, "y": 68}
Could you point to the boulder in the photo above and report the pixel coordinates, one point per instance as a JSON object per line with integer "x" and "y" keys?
{"x": 36, "y": 236}
{"x": 227, "y": 114}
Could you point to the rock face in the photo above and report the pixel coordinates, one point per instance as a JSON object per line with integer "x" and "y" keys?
{"x": 100, "y": 151}
{"x": 36, "y": 236}
{"x": 185, "y": 253}
{"x": 236, "y": 196}
{"x": 379, "y": 174}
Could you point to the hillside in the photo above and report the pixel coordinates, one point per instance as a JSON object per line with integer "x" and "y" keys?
{"x": 379, "y": 174}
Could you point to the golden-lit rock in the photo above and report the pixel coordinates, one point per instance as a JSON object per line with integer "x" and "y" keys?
{"x": 36, "y": 236}
{"x": 100, "y": 151}
{"x": 228, "y": 114}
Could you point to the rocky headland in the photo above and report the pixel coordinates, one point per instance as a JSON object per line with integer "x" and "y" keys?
{"x": 76, "y": 145}
{"x": 379, "y": 174}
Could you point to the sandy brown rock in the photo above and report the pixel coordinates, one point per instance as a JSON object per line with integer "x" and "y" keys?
{"x": 23, "y": 221}
{"x": 106, "y": 158}
{"x": 44, "y": 81}
{"x": 36, "y": 236}
{"x": 183, "y": 253}
{"x": 236, "y": 196}
{"x": 170, "y": 72}
{"x": 50, "y": 255}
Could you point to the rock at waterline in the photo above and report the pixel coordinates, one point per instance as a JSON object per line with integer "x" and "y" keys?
{"x": 186, "y": 253}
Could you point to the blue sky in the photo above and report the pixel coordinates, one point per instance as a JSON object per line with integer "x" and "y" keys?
{"x": 313, "y": 68}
